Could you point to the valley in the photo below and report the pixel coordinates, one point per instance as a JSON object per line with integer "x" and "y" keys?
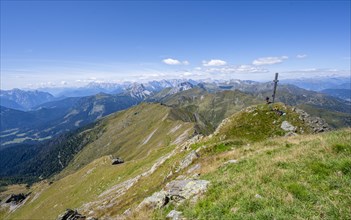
{"x": 188, "y": 134}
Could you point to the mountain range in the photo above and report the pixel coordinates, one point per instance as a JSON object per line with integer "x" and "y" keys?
{"x": 260, "y": 152}
{"x": 211, "y": 100}
{"x": 23, "y": 100}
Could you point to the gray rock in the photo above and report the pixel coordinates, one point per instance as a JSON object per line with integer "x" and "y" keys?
{"x": 188, "y": 160}
{"x": 194, "y": 168}
{"x": 127, "y": 212}
{"x": 231, "y": 161}
{"x": 185, "y": 189}
{"x": 315, "y": 123}
{"x": 69, "y": 214}
{"x": 16, "y": 198}
{"x": 117, "y": 161}
{"x": 174, "y": 215}
{"x": 286, "y": 126}
{"x": 157, "y": 200}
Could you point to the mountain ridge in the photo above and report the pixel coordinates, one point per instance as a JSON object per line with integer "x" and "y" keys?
{"x": 96, "y": 191}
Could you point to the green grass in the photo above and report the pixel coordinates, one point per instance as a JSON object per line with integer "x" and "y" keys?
{"x": 125, "y": 134}
{"x": 333, "y": 118}
{"x": 260, "y": 122}
{"x": 302, "y": 177}
{"x": 83, "y": 186}
{"x": 133, "y": 135}
{"x": 305, "y": 180}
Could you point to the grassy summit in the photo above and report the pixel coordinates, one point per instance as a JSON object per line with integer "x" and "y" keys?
{"x": 260, "y": 122}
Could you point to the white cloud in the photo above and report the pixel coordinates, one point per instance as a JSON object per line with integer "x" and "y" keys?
{"x": 187, "y": 73}
{"x": 301, "y": 56}
{"x": 269, "y": 60}
{"x": 214, "y": 63}
{"x": 171, "y": 61}
{"x": 237, "y": 69}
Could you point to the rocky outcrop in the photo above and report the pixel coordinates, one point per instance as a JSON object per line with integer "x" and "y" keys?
{"x": 111, "y": 196}
{"x": 16, "y": 198}
{"x": 157, "y": 200}
{"x": 286, "y": 126}
{"x": 117, "y": 161}
{"x": 69, "y": 214}
{"x": 176, "y": 191}
{"x": 185, "y": 189}
{"x": 194, "y": 168}
{"x": 317, "y": 124}
{"x": 187, "y": 160}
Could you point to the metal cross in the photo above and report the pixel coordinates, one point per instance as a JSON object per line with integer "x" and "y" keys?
{"x": 275, "y": 86}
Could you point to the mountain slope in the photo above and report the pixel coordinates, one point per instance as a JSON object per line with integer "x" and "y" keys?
{"x": 139, "y": 139}
{"x": 218, "y": 104}
{"x": 302, "y": 177}
{"x": 339, "y": 93}
{"x": 154, "y": 156}
{"x": 54, "y": 118}
{"x": 25, "y": 100}
{"x": 130, "y": 134}
{"x": 214, "y": 107}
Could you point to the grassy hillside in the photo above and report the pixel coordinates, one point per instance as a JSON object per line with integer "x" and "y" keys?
{"x": 333, "y": 118}
{"x": 131, "y": 134}
{"x": 140, "y": 135}
{"x": 54, "y": 118}
{"x": 300, "y": 177}
{"x": 217, "y": 105}
{"x": 214, "y": 107}
{"x": 303, "y": 177}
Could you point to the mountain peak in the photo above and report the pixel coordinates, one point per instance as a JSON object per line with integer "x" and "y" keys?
{"x": 259, "y": 122}
{"x": 138, "y": 90}
{"x": 183, "y": 86}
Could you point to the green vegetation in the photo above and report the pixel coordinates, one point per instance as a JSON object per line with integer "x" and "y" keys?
{"x": 214, "y": 107}
{"x": 132, "y": 134}
{"x": 273, "y": 177}
{"x": 333, "y": 118}
{"x": 311, "y": 178}
{"x": 260, "y": 122}
{"x": 129, "y": 134}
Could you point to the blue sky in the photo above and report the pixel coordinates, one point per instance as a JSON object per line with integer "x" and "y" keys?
{"x": 63, "y": 43}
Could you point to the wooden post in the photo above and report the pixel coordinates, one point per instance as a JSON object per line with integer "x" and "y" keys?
{"x": 275, "y": 86}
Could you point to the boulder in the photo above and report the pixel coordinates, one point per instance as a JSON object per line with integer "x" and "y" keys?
{"x": 188, "y": 160}
{"x": 117, "y": 161}
{"x": 16, "y": 198}
{"x": 286, "y": 126}
{"x": 157, "y": 200}
{"x": 69, "y": 214}
{"x": 196, "y": 167}
{"x": 174, "y": 215}
{"x": 185, "y": 189}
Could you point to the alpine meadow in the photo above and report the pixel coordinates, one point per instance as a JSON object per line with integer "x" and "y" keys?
{"x": 181, "y": 110}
